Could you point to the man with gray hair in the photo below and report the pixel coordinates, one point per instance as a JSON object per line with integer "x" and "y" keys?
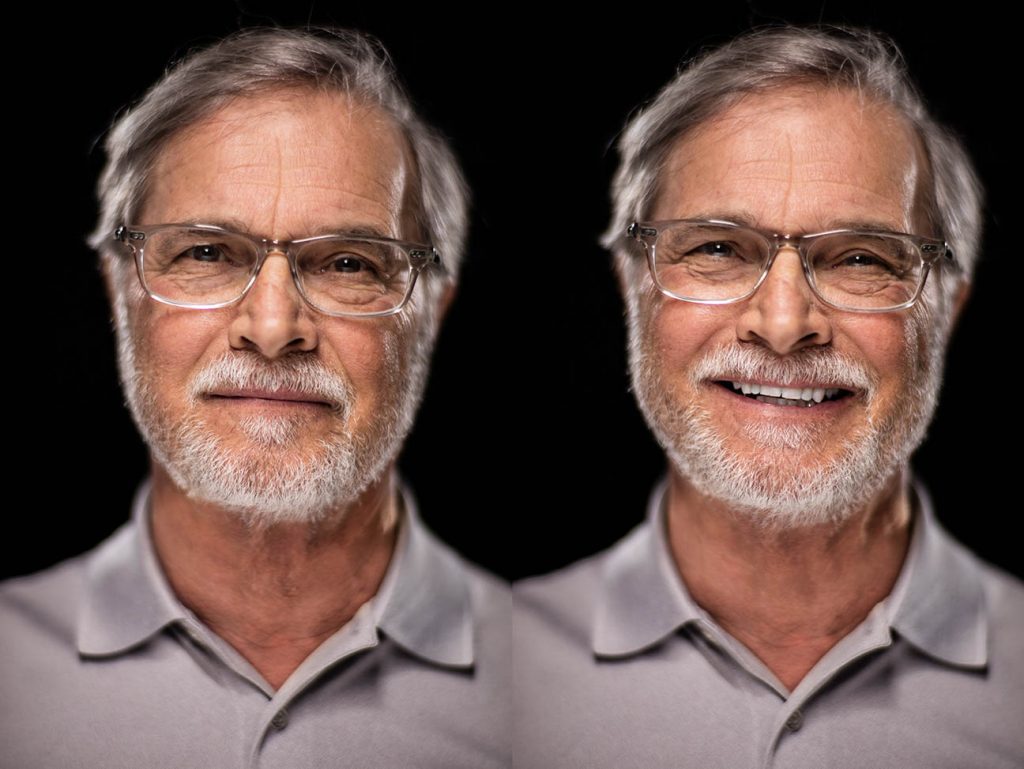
{"x": 794, "y": 236}
{"x": 280, "y": 236}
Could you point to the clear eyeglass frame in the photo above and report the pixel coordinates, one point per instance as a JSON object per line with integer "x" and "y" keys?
{"x": 929, "y": 250}
{"x": 420, "y": 256}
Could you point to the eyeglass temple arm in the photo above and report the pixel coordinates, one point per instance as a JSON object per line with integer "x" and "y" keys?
{"x": 635, "y": 231}
{"x": 421, "y": 257}
{"x": 933, "y": 252}
{"x": 122, "y": 235}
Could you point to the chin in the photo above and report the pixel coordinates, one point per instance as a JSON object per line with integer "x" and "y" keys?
{"x": 270, "y": 483}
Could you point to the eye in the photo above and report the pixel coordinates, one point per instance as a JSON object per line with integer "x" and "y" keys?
{"x": 865, "y": 260}
{"x": 204, "y": 253}
{"x": 715, "y": 248}
{"x": 348, "y": 263}
{"x": 860, "y": 260}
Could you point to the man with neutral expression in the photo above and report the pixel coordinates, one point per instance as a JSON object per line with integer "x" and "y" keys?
{"x": 280, "y": 237}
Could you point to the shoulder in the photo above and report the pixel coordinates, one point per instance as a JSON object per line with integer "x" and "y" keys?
{"x": 491, "y": 604}
{"x": 39, "y": 659}
{"x": 491, "y": 596}
{"x": 561, "y": 602}
{"x": 567, "y": 601}
{"x": 1003, "y": 591}
{"x": 46, "y": 603}
{"x": 1004, "y": 604}
{"x": 1000, "y": 600}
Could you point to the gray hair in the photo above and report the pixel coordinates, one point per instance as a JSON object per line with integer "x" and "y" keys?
{"x": 771, "y": 58}
{"x": 253, "y": 61}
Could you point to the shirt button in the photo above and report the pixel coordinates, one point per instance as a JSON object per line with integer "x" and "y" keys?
{"x": 795, "y": 721}
{"x": 280, "y": 719}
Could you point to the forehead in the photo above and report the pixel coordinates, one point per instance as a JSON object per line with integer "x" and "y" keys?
{"x": 798, "y": 159}
{"x": 283, "y": 164}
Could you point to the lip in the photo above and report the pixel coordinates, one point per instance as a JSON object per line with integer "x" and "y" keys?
{"x": 282, "y": 397}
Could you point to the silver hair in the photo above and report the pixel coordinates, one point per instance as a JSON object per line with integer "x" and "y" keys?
{"x": 254, "y": 61}
{"x": 776, "y": 57}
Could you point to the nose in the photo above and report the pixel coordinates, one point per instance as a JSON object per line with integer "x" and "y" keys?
{"x": 783, "y": 314}
{"x": 272, "y": 318}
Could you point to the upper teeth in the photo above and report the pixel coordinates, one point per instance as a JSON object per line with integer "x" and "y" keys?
{"x": 816, "y": 394}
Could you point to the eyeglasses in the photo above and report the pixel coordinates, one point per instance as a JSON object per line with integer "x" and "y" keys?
{"x": 206, "y": 267}
{"x": 714, "y": 262}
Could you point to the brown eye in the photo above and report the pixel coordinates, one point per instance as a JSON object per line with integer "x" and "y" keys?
{"x": 865, "y": 260}
{"x": 716, "y": 248}
{"x": 204, "y": 253}
{"x": 348, "y": 264}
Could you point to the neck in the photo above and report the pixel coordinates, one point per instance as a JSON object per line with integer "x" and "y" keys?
{"x": 274, "y": 593}
{"x": 788, "y": 595}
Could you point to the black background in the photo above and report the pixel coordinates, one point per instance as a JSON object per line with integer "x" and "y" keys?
{"x": 528, "y": 452}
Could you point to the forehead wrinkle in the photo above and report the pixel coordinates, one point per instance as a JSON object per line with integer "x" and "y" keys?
{"x": 270, "y": 149}
{"x": 802, "y": 161}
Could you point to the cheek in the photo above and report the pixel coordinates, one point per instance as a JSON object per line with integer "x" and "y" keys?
{"x": 367, "y": 353}
{"x": 893, "y": 345}
{"x": 680, "y": 332}
{"x": 174, "y": 342}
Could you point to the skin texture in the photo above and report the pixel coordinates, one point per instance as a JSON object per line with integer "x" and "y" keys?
{"x": 794, "y": 161}
{"x": 284, "y": 165}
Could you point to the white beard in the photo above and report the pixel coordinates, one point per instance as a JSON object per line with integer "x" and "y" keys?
{"x": 276, "y": 474}
{"x": 782, "y": 487}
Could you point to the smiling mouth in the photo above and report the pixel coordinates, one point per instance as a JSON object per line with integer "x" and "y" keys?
{"x": 805, "y": 397}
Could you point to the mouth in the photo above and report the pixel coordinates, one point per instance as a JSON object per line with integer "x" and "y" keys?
{"x": 283, "y": 397}
{"x": 801, "y": 397}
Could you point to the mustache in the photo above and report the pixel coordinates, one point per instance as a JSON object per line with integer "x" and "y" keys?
{"x": 303, "y": 374}
{"x": 824, "y": 366}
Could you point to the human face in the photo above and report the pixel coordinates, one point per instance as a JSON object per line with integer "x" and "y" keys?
{"x": 794, "y": 161}
{"x": 267, "y": 407}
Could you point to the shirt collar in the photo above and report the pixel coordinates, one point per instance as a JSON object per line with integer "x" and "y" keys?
{"x": 426, "y": 607}
{"x": 642, "y": 600}
{"x": 423, "y": 604}
{"x": 937, "y": 604}
{"x": 127, "y": 597}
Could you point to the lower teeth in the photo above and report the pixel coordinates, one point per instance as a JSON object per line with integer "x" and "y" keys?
{"x": 783, "y": 401}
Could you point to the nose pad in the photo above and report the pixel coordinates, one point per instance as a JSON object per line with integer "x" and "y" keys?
{"x": 273, "y": 318}
{"x": 784, "y": 314}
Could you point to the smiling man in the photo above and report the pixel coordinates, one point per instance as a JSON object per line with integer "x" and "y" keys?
{"x": 794, "y": 236}
{"x": 280, "y": 235}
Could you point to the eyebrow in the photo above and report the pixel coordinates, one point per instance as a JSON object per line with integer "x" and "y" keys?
{"x": 236, "y": 225}
{"x": 359, "y": 230}
{"x": 740, "y": 217}
{"x": 228, "y": 223}
{"x": 746, "y": 219}
{"x": 872, "y": 225}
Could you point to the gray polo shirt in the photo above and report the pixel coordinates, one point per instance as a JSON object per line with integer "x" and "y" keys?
{"x": 102, "y": 666}
{"x": 617, "y": 666}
